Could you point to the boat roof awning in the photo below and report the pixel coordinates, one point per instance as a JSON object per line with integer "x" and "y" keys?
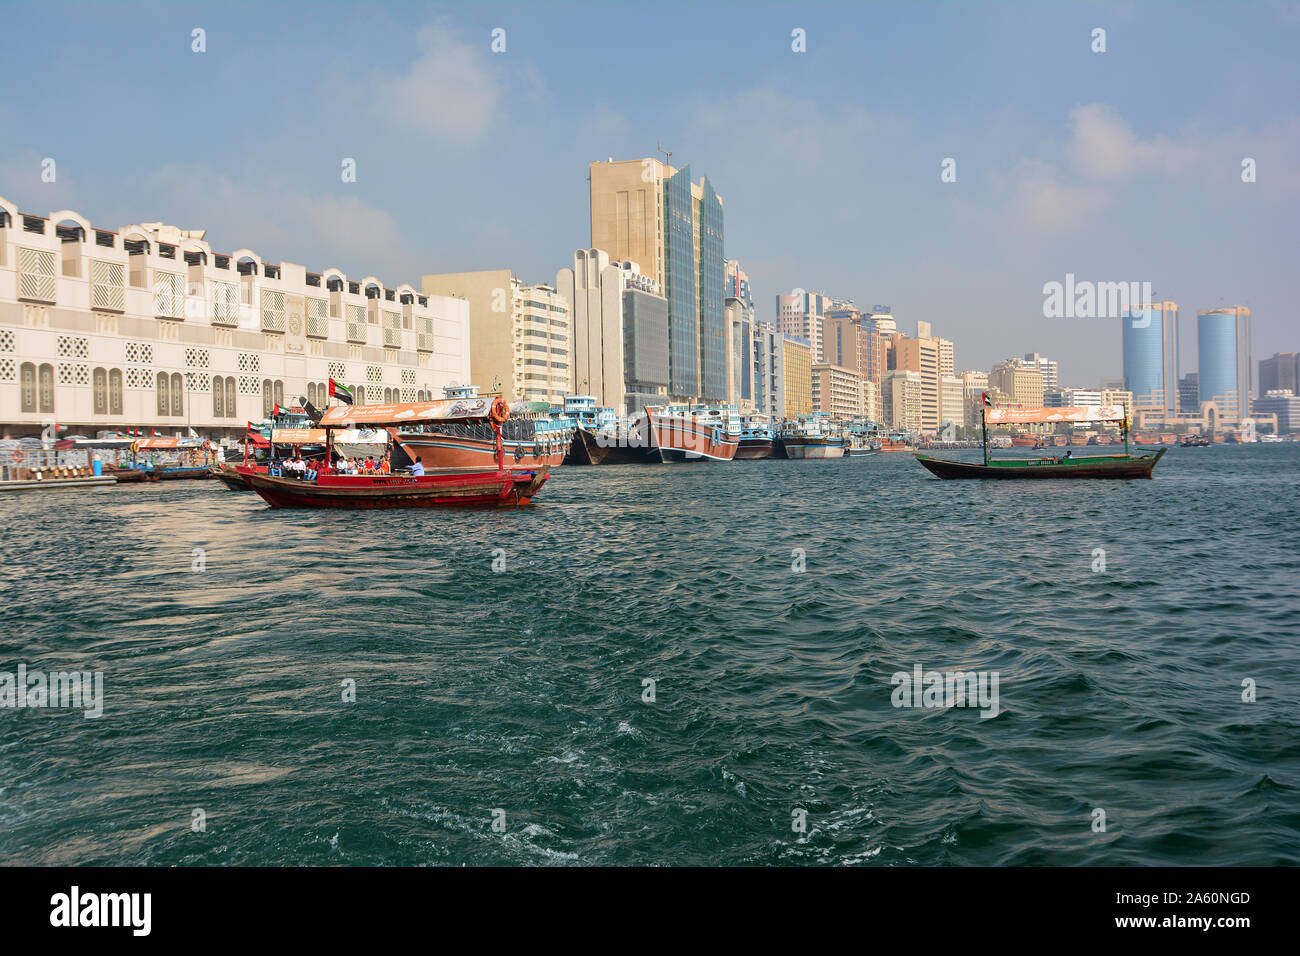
{"x": 298, "y": 436}
{"x": 156, "y": 443}
{"x": 405, "y": 413}
{"x": 1067, "y": 413}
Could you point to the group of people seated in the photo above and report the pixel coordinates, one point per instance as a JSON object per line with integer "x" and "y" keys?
{"x": 361, "y": 466}
{"x": 295, "y": 467}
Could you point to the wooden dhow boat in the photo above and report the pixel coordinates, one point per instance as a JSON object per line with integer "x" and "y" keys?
{"x": 694, "y": 432}
{"x": 495, "y": 487}
{"x": 1123, "y": 466}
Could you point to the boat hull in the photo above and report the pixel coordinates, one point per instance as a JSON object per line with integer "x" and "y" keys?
{"x": 750, "y": 449}
{"x": 508, "y": 489}
{"x": 449, "y": 450}
{"x": 1121, "y": 467}
{"x": 813, "y": 448}
{"x": 588, "y": 450}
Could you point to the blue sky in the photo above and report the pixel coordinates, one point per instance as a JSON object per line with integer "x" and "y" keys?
{"x": 1115, "y": 166}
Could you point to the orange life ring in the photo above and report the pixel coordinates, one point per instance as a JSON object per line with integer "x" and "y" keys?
{"x": 17, "y": 455}
{"x": 500, "y": 411}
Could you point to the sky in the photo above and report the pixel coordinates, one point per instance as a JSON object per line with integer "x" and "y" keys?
{"x": 1123, "y": 165}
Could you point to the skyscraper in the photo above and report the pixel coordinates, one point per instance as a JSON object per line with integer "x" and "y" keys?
{"x": 799, "y": 314}
{"x": 1223, "y": 351}
{"x": 1150, "y": 342}
{"x": 672, "y": 228}
{"x": 1281, "y": 371}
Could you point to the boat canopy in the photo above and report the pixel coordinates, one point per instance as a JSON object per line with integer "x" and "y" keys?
{"x": 155, "y": 444}
{"x": 1067, "y": 413}
{"x": 298, "y": 436}
{"x": 405, "y": 413}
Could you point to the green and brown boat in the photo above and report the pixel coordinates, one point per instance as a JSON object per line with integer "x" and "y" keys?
{"x": 1125, "y": 466}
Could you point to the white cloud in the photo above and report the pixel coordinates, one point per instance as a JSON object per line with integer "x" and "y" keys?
{"x": 452, "y": 89}
{"x": 1046, "y": 205}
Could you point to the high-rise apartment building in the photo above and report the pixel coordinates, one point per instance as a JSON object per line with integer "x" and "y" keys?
{"x": 1049, "y": 368}
{"x": 837, "y": 391}
{"x": 800, "y": 314}
{"x": 797, "y": 382}
{"x": 1223, "y": 359}
{"x": 1150, "y": 344}
{"x": 952, "y": 401}
{"x": 769, "y": 370}
{"x": 1280, "y": 372}
{"x": 149, "y": 326}
{"x": 594, "y": 289}
{"x": 1022, "y": 385}
{"x": 738, "y": 307}
{"x": 1189, "y": 394}
{"x": 672, "y": 228}
{"x": 933, "y": 358}
{"x": 901, "y": 401}
{"x": 521, "y": 337}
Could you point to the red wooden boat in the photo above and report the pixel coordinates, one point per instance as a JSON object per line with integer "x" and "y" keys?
{"x": 495, "y": 487}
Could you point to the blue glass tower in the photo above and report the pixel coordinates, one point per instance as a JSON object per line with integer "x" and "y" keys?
{"x": 1223, "y": 350}
{"x": 1150, "y": 342}
{"x": 713, "y": 326}
{"x": 681, "y": 280}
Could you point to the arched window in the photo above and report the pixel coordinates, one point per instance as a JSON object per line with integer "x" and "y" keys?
{"x": 279, "y": 392}
{"x": 218, "y": 398}
{"x": 29, "y": 387}
{"x": 115, "y": 391}
{"x": 266, "y": 396}
{"x": 99, "y": 383}
{"x": 45, "y": 388}
{"x": 323, "y": 391}
{"x": 311, "y": 393}
{"x": 230, "y": 397}
{"x": 178, "y": 394}
{"x": 361, "y": 394}
{"x": 163, "y": 404}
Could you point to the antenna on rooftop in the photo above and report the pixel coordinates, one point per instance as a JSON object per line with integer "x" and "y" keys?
{"x": 667, "y": 152}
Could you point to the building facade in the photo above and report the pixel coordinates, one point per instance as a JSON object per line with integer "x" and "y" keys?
{"x": 1150, "y": 346}
{"x": 901, "y": 401}
{"x": 769, "y": 370}
{"x": 797, "y": 377}
{"x": 148, "y": 326}
{"x": 1223, "y": 359}
{"x": 1022, "y": 385}
{"x": 1280, "y": 372}
{"x": 521, "y": 335}
{"x": 654, "y": 215}
{"x": 837, "y": 391}
{"x": 594, "y": 289}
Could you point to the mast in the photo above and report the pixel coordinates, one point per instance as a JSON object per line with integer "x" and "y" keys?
{"x": 984, "y": 428}
{"x": 1123, "y": 426}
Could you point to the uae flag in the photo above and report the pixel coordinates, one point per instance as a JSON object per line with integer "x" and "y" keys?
{"x": 276, "y": 411}
{"x": 341, "y": 392}
{"x": 987, "y": 403}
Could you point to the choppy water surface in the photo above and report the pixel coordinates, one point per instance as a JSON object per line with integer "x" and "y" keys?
{"x": 522, "y": 691}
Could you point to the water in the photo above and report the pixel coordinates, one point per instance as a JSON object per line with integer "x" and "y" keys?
{"x": 522, "y": 691}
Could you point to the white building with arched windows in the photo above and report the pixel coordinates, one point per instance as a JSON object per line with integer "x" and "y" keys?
{"x": 147, "y": 326}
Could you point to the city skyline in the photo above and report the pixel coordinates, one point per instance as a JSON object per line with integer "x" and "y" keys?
{"x": 1051, "y": 177}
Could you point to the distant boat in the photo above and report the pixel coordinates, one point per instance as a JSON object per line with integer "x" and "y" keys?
{"x": 813, "y": 436}
{"x": 694, "y": 432}
{"x": 1123, "y": 466}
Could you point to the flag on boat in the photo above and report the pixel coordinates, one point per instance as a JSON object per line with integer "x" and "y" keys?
{"x": 341, "y": 392}
{"x": 193, "y": 433}
{"x": 275, "y": 412}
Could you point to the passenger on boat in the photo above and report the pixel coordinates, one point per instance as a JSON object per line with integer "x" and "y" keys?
{"x": 417, "y": 469}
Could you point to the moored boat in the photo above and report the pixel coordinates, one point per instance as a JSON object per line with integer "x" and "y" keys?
{"x": 757, "y": 440}
{"x": 528, "y": 442}
{"x": 813, "y": 436}
{"x": 694, "y": 432}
